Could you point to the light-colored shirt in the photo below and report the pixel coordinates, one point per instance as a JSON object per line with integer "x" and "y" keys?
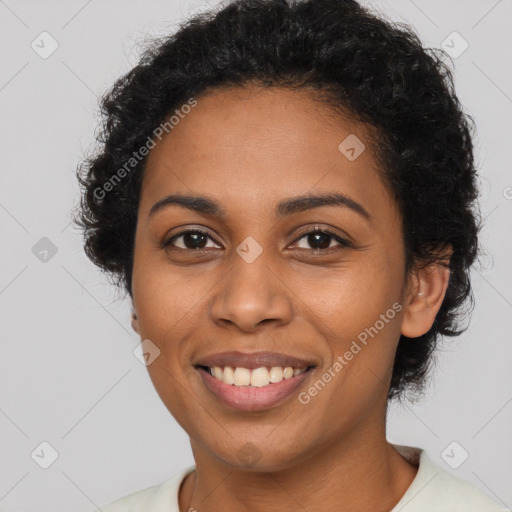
{"x": 432, "y": 490}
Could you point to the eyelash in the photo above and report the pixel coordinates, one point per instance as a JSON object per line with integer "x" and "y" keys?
{"x": 343, "y": 243}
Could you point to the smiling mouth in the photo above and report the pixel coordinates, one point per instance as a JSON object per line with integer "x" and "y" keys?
{"x": 254, "y": 389}
{"x": 255, "y": 377}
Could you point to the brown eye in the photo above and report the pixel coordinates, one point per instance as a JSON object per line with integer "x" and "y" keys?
{"x": 192, "y": 240}
{"x": 319, "y": 240}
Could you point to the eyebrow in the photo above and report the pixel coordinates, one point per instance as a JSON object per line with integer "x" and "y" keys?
{"x": 209, "y": 206}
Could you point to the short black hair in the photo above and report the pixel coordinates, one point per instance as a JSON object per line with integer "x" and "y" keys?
{"x": 355, "y": 61}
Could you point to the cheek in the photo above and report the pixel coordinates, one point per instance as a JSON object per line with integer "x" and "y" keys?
{"x": 354, "y": 298}
{"x": 358, "y": 313}
{"x": 167, "y": 308}
{"x": 171, "y": 307}
{"x": 161, "y": 297}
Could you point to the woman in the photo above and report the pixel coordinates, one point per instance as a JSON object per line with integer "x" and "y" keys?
{"x": 286, "y": 190}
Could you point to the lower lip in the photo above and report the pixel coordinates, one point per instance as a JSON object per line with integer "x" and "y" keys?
{"x": 249, "y": 398}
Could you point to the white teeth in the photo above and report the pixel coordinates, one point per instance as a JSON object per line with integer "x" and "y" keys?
{"x": 229, "y": 375}
{"x": 217, "y": 372}
{"x": 288, "y": 372}
{"x": 259, "y": 377}
{"x": 242, "y": 377}
{"x": 276, "y": 374}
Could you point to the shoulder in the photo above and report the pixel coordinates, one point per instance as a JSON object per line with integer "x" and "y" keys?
{"x": 436, "y": 490}
{"x": 157, "y": 498}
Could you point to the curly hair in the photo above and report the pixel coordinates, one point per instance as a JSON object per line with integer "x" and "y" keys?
{"x": 355, "y": 61}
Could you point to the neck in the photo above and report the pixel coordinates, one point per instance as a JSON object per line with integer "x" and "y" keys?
{"x": 361, "y": 472}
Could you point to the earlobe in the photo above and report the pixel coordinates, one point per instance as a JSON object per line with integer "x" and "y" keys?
{"x": 427, "y": 292}
{"x": 135, "y": 322}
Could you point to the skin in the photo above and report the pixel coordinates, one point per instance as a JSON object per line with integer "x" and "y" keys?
{"x": 332, "y": 453}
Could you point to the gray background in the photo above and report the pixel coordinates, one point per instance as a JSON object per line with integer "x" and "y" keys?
{"x": 68, "y": 373}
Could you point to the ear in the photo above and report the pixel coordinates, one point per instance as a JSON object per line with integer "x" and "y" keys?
{"x": 135, "y": 321}
{"x": 426, "y": 291}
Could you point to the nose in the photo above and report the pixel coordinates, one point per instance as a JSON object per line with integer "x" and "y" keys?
{"x": 252, "y": 294}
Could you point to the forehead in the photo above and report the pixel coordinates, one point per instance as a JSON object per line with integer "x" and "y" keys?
{"x": 253, "y": 145}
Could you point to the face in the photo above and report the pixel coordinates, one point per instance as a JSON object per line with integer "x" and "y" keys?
{"x": 251, "y": 275}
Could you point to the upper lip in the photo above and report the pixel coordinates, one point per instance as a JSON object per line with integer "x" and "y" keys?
{"x": 253, "y": 360}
